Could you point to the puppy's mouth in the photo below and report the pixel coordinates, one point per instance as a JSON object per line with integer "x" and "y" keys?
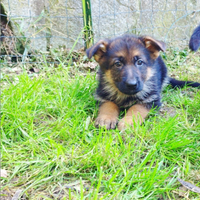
{"x": 129, "y": 89}
{"x": 130, "y": 92}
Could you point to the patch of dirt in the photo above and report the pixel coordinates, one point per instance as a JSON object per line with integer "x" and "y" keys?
{"x": 12, "y": 194}
{"x": 56, "y": 191}
{"x": 167, "y": 110}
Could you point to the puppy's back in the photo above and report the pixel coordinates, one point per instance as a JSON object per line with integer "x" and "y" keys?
{"x": 194, "y": 43}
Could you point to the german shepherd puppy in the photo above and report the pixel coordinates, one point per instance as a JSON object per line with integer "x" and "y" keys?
{"x": 132, "y": 75}
{"x": 194, "y": 43}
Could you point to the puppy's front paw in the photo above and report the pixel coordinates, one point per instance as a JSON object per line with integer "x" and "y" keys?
{"x": 107, "y": 121}
{"x": 125, "y": 122}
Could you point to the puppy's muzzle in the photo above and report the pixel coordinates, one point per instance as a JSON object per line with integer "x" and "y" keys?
{"x": 132, "y": 84}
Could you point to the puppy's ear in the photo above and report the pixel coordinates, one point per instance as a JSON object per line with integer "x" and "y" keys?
{"x": 194, "y": 43}
{"x": 154, "y": 46}
{"x": 97, "y": 50}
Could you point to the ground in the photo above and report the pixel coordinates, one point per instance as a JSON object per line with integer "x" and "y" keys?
{"x": 51, "y": 149}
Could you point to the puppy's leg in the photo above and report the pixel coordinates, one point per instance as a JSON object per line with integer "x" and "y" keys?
{"x": 108, "y": 115}
{"x": 137, "y": 112}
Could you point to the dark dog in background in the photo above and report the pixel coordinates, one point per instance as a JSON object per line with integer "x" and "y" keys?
{"x": 132, "y": 75}
{"x": 194, "y": 43}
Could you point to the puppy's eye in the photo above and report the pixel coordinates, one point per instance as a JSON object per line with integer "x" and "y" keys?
{"x": 118, "y": 64}
{"x": 139, "y": 62}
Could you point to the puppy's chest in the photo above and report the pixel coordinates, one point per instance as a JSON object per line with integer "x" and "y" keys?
{"x": 106, "y": 92}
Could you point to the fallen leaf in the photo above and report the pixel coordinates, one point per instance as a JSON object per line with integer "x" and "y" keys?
{"x": 3, "y": 173}
{"x": 17, "y": 195}
{"x": 76, "y": 186}
{"x": 90, "y": 65}
{"x": 189, "y": 186}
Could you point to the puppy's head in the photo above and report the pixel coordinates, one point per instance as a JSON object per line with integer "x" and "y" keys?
{"x": 127, "y": 61}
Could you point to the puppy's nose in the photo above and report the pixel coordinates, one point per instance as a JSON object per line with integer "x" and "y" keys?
{"x": 131, "y": 84}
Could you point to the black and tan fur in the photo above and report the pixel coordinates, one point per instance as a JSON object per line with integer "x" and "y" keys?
{"x": 194, "y": 43}
{"x": 132, "y": 75}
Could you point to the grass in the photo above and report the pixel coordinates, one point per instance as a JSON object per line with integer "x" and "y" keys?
{"x": 51, "y": 149}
